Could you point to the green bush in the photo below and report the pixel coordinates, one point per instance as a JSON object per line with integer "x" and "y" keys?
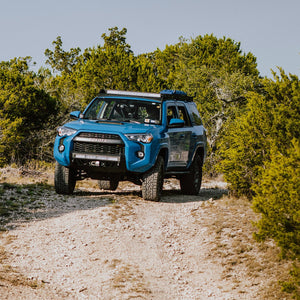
{"x": 260, "y": 153}
{"x": 277, "y": 199}
{"x": 293, "y": 285}
{"x": 269, "y": 123}
{"x": 24, "y": 111}
{"x": 245, "y": 145}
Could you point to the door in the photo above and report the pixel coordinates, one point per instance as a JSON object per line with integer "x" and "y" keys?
{"x": 180, "y": 138}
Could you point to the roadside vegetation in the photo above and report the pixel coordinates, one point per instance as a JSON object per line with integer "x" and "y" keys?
{"x": 252, "y": 122}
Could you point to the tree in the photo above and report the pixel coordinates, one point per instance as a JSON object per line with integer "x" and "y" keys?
{"x": 269, "y": 123}
{"x": 219, "y": 75}
{"x": 61, "y": 60}
{"x": 216, "y": 73}
{"x": 116, "y": 38}
{"x": 110, "y": 66}
{"x": 24, "y": 110}
{"x": 146, "y": 79}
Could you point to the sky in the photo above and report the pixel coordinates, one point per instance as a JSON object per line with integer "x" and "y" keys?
{"x": 269, "y": 29}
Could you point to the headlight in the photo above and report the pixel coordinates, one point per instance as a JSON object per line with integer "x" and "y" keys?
{"x": 65, "y": 131}
{"x": 143, "y": 138}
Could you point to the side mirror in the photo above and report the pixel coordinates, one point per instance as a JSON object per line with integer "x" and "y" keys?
{"x": 176, "y": 123}
{"x": 75, "y": 115}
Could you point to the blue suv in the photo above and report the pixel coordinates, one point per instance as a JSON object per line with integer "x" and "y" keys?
{"x": 132, "y": 136}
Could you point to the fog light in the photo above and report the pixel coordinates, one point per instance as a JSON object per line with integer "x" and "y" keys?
{"x": 61, "y": 148}
{"x": 140, "y": 154}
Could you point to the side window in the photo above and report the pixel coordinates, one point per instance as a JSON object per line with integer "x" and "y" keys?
{"x": 171, "y": 113}
{"x": 183, "y": 115}
{"x": 195, "y": 114}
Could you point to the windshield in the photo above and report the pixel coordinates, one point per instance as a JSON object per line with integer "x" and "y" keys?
{"x": 124, "y": 110}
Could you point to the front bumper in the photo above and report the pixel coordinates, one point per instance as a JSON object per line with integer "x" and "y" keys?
{"x": 107, "y": 157}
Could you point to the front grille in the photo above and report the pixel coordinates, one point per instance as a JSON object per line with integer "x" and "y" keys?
{"x": 99, "y": 143}
{"x": 97, "y": 148}
{"x": 96, "y": 135}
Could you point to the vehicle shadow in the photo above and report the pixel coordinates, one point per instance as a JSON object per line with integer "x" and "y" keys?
{"x": 26, "y": 203}
{"x": 168, "y": 195}
{"x": 205, "y": 194}
{"x": 22, "y": 203}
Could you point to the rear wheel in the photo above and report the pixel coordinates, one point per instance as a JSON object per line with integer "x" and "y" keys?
{"x": 107, "y": 185}
{"x": 191, "y": 183}
{"x": 64, "y": 179}
{"x": 153, "y": 181}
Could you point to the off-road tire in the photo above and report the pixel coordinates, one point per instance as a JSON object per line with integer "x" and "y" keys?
{"x": 108, "y": 185}
{"x": 153, "y": 181}
{"x": 190, "y": 183}
{"x": 64, "y": 179}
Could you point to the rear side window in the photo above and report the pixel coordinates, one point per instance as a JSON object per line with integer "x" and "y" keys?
{"x": 195, "y": 114}
{"x": 183, "y": 115}
{"x": 171, "y": 113}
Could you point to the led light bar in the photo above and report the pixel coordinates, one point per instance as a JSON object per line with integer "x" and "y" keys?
{"x": 163, "y": 95}
{"x": 133, "y": 94}
{"x": 96, "y": 157}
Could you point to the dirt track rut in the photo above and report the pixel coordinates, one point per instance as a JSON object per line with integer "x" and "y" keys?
{"x": 97, "y": 245}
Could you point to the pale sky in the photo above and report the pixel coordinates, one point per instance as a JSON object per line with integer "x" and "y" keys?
{"x": 267, "y": 28}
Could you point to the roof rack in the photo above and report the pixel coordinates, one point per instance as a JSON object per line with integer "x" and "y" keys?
{"x": 163, "y": 95}
{"x": 175, "y": 95}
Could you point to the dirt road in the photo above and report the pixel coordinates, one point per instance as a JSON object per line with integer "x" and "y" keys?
{"x": 99, "y": 245}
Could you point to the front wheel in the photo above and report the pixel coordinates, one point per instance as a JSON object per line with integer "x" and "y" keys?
{"x": 64, "y": 179}
{"x": 191, "y": 183}
{"x": 153, "y": 181}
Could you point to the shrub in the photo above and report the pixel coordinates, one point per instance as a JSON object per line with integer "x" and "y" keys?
{"x": 24, "y": 111}
{"x": 277, "y": 199}
{"x": 268, "y": 124}
{"x": 260, "y": 153}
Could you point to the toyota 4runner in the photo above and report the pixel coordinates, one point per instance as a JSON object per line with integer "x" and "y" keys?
{"x": 132, "y": 136}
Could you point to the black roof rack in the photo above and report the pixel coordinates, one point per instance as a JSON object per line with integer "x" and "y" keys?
{"x": 175, "y": 95}
{"x": 163, "y": 95}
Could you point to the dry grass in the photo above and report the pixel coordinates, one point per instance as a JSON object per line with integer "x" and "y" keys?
{"x": 10, "y": 276}
{"x": 27, "y": 174}
{"x": 239, "y": 253}
{"x": 121, "y": 209}
{"x": 87, "y": 184}
{"x": 128, "y": 279}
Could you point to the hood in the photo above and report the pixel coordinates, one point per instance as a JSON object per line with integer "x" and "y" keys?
{"x": 110, "y": 127}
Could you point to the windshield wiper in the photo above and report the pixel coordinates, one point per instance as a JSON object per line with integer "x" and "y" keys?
{"x": 132, "y": 121}
{"x": 108, "y": 120}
